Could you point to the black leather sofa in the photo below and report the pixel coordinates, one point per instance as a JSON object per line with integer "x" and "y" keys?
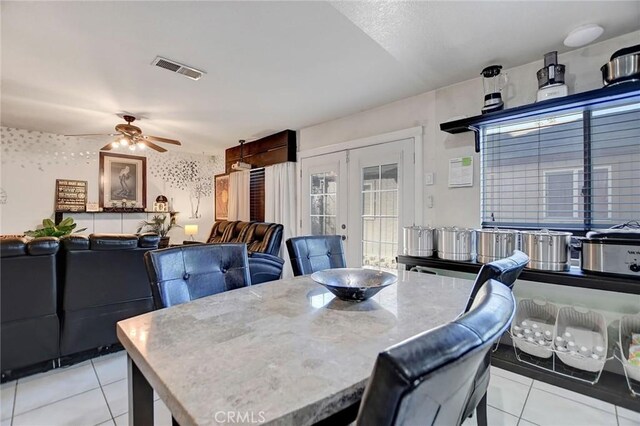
{"x": 61, "y": 299}
{"x": 29, "y": 301}
{"x": 105, "y": 281}
{"x": 263, "y": 242}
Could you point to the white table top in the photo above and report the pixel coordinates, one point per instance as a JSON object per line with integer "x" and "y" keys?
{"x": 284, "y": 352}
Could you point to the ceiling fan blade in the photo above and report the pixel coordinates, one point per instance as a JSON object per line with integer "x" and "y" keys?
{"x": 107, "y": 147}
{"x": 154, "y": 146}
{"x": 164, "y": 140}
{"x": 97, "y": 134}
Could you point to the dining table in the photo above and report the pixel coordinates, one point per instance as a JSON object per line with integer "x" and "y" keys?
{"x": 285, "y": 352}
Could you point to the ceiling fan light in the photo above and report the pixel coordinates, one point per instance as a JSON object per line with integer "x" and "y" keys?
{"x": 132, "y": 147}
{"x": 140, "y": 145}
{"x": 115, "y": 144}
{"x": 583, "y": 35}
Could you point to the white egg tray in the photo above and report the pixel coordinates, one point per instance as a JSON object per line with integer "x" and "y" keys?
{"x": 629, "y": 324}
{"x": 541, "y": 313}
{"x": 588, "y": 328}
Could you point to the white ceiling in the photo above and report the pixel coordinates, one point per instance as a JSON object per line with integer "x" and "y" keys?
{"x": 70, "y": 67}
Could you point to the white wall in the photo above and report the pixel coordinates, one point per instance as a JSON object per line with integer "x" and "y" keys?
{"x": 460, "y": 206}
{"x": 32, "y": 161}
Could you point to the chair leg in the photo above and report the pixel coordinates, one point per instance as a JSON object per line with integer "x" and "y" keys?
{"x": 481, "y": 410}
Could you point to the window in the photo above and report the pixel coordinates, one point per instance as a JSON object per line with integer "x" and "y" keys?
{"x": 323, "y": 203}
{"x": 379, "y": 214}
{"x": 562, "y": 192}
{"x": 256, "y": 195}
{"x": 577, "y": 169}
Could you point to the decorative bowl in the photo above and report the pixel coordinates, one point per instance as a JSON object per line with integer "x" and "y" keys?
{"x": 354, "y": 284}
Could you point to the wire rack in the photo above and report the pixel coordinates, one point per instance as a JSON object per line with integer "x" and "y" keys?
{"x": 554, "y": 365}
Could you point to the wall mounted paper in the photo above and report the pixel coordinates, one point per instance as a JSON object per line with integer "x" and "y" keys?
{"x": 460, "y": 172}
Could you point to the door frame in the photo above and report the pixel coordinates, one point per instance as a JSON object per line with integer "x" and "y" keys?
{"x": 412, "y": 132}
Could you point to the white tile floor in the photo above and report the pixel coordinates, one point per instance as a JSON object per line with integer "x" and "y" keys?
{"x": 95, "y": 393}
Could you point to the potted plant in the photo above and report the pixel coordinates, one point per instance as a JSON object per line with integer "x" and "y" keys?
{"x": 157, "y": 225}
{"x": 51, "y": 229}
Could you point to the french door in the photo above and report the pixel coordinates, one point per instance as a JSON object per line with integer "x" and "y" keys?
{"x": 366, "y": 195}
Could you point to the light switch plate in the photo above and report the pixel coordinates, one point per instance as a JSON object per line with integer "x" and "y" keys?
{"x": 428, "y": 178}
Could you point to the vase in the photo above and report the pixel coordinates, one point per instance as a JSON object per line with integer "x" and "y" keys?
{"x": 164, "y": 242}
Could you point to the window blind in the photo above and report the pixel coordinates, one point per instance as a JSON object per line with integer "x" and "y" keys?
{"x": 256, "y": 195}
{"x": 577, "y": 170}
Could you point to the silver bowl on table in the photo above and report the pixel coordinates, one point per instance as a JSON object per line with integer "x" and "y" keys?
{"x": 354, "y": 284}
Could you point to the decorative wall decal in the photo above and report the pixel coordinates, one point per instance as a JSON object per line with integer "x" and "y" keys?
{"x": 191, "y": 173}
{"x": 44, "y": 157}
{"x": 39, "y": 150}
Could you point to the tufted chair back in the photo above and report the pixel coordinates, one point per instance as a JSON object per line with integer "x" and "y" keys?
{"x": 428, "y": 379}
{"x": 314, "y": 253}
{"x": 264, "y": 238}
{"x": 184, "y": 273}
{"x": 218, "y": 231}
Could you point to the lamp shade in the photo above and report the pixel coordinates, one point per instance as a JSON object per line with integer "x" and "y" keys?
{"x": 191, "y": 229}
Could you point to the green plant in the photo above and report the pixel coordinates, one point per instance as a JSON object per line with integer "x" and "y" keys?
{"x": 157, "y": 225}
{"x": 51, "y": 229}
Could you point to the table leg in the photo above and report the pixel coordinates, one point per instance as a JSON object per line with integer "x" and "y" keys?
{"x": 140, "y": 397}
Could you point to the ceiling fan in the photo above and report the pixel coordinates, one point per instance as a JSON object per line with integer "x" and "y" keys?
{"x": 128, "y": 135}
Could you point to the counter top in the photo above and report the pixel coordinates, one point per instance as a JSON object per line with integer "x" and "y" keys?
{"x": 287, "y": 352}
{"x": 572, "y": 278}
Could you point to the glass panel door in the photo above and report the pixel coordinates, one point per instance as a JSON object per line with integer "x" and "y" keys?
{"x": 324, "y": 195}
{"x": 381, "y": 202}
{"x": 379, "y": 214}
{"x": 366, "y": 195}
{"x": 323, "y": 203}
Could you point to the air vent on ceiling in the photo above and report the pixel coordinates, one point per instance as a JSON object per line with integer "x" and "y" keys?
{"x": 174, "y": 66}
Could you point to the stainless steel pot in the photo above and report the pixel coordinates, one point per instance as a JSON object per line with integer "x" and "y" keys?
{"x": 418, "y": 240}
{"x": 547, "y": 250}
{"x": 623, "y": 66}
{"x": 493, "y": 244}
{"x": 456, "y": 243}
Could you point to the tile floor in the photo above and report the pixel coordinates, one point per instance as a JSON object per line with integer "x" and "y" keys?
{"x": 95, "y": 393}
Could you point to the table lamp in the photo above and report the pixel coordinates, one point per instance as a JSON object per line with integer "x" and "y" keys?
{"x": 191, "y": 230}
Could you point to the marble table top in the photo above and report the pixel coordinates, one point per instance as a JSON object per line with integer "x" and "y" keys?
{"x": 285, "y": 352}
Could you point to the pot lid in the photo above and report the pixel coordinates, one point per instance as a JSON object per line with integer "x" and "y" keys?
{"x": 455, "y": 229}
{"x": 626, "y": 51}
{"x": 619, "y": 234}
{"x": 496, "y": 231}
{"x": 547, "y": 232}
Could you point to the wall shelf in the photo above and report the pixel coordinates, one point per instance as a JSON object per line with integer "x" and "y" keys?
{"x": 119, "y": 217}
{"x": 592, "y": 97}
{"x": 573, "y": 278}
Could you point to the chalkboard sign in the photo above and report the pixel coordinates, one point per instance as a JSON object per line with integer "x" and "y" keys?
{"x": 71, "y": 195}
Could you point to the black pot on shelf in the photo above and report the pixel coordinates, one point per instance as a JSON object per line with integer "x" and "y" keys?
{"x": 164, "y": 242}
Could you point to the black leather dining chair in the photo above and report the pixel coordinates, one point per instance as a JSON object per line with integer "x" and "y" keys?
{"x": 181, "y": 274}
{"x": 429, "y": 379}
{"x": 505, "y": 270}
{"x": 314, "y": 253}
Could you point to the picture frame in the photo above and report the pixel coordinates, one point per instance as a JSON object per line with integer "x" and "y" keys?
{"x": 221, "y": 198}
{"x": 123, "y": 181}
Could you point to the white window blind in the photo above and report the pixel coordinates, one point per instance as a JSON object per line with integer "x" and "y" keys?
{"x": 577, "y": 169}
